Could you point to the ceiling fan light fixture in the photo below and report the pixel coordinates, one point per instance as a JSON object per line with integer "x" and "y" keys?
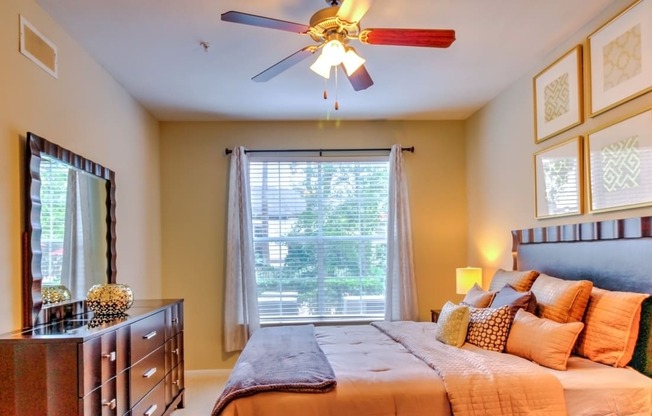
{"x": 322, "y": 66}
{"x": 334, "y": 52}
{"x": 352, "y": 61}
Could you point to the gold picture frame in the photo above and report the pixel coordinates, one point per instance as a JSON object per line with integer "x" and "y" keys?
{"x": 558, "y": 96}
{"x": 558, "y": 180}
{"x": 620, "y": 58}
{"x": 619, "y": 164}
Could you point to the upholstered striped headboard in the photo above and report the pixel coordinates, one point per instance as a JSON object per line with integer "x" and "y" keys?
{"x": 614, "y": 254}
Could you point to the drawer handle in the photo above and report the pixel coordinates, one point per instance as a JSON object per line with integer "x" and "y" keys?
{"x": 175, "y": 351}
{"x": 110, "y": 404}
{"x": 110, "y": 356}
{"x": 150, "y": 335}
{"x": 150, "y": 372}
{"x": 150, "y": 411}
{"x": 176, "y": 382}
{"x": 175, "y": 321}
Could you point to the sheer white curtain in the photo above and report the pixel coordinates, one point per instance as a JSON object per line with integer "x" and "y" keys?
{"x": 400, "y": 294}
{"x": 84, "y": 241}
{"x": 240, "y": 302}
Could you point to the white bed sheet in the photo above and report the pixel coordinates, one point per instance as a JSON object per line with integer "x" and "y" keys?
{"x": 379, "y": 377}
{"x": 594, "y": 389}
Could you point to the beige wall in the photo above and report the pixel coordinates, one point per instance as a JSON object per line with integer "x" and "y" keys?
{"x": 88, "y": 112}
{"x": 500, "y": 148}
{"x": 194, "y": 172}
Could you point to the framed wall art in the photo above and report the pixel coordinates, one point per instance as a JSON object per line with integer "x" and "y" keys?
{"x": 558, "y": 179}
{"x": 558, "y": 96}
{"x": 620, "y": 62}
{"x": 619, "y": 164}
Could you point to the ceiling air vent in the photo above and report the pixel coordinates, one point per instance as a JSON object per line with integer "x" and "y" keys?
{"x": 37, "y": 47}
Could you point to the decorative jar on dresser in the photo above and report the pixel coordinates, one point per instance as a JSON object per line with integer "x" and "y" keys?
{"x": 83, "y": 365}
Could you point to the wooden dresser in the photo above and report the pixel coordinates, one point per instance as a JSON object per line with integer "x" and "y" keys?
{"x": 82, "y": 366}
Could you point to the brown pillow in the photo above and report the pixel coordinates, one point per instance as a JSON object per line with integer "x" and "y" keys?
{"x": 489, "y": 328}
{"x": 515, "y": 300}
{"x": 547, "y": 343}
{"x": 612, "y": 324}
{"x": 520, "y": 280}
{"x": 477, "y": 297}
{"x": 561, "y": 300}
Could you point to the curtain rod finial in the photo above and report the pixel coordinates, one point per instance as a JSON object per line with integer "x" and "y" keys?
{"x": 228, "y": 151}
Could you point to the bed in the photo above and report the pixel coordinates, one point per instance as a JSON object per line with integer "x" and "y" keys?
{"x": 400, "y": 369}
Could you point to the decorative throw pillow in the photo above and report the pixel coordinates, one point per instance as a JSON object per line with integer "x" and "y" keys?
{"x": 612, "y": 322}
{"x": 477, "y": 297}
{"x": 514, "y": 299}
{"x": 520, "y": 280}
{"x": 547, "y": 343}
{"x": 452, "y": 324}
{"x": 489, "y": 328}
{"x": 561, "y": 300}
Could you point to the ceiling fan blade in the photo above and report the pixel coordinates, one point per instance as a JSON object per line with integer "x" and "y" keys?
{"x": 351, "y": 11}
{"x": 429, "y": 38}
{"x": 360, "y": 79}
{"x": 268, "y": 22}
{"x": 285, "y": 64}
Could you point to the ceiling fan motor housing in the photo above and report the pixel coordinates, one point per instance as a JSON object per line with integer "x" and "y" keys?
{"x": 325, "y": 24}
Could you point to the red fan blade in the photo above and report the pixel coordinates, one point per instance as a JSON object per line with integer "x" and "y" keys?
{"x": 360, "y": 79}
{"x": 351, "y": 11}
{"x": 253, "y": 20}
{"x": 429, "y": 38}
{"x": 285, "y": 64}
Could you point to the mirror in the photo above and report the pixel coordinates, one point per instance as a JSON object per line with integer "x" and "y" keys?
{"x": 70, "y": 231}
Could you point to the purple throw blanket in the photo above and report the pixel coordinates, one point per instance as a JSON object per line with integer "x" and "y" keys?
{"x": 284, "y": 358}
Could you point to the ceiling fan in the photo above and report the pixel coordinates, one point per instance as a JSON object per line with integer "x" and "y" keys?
{"x": 332, "y": 28}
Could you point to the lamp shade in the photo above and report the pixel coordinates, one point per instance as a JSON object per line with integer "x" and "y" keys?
{"x": 466, "y": 277}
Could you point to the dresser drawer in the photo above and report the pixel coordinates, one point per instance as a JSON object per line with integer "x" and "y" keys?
{"x": 147, "y": 335}
{"x": 145, "y": 374}
{"x": 174, "y": 320}
{"x": 173, "y": 352}
{"x": 174, "y": 383}
{"x": 153, "y": 404}
{"x": 110, "y": 399}
{"x": 100, "y": 357}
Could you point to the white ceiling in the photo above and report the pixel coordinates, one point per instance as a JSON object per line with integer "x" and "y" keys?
{"x": 152, "y": 48}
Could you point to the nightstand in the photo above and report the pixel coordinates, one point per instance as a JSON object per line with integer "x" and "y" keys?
{"x": 434, "y": 314}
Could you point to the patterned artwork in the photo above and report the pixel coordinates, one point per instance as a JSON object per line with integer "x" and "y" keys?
{"x": 557, "y": 98}
{"x": 621, "y": 165}
{"x": 622, "y": 58}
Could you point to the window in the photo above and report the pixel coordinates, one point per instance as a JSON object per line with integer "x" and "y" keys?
{"x": 320, "y": 238}
{"x": 54, "y": 185}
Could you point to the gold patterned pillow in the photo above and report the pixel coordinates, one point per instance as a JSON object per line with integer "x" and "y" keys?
{"x": 520, "y": 280}
{"x": 489, "y": 328}
{"x": 452, "y": 324}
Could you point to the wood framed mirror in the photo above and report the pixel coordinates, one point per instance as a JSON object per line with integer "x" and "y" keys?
{"x": 64, "y": 193}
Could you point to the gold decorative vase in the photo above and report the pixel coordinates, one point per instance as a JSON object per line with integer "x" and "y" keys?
{"x": 55, "y": 294}
{"x": 109, "y": 299}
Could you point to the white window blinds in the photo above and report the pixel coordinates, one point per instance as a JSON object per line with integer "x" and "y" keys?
{"x": 320, "y": 238}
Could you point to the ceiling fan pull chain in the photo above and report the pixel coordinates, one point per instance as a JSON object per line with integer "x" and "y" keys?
{"x": 337, "y": 104}
{"x": 325, "y": 89}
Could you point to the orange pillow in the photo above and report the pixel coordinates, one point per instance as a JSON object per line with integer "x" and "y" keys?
{"x": 612, "y": 323}
{"x": 547, "y": 343}
{"x": 520, "y": 280}
{"x": 561, "y": 300}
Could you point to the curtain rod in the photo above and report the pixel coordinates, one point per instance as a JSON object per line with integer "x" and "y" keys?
{"x": 410, "y": 149}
